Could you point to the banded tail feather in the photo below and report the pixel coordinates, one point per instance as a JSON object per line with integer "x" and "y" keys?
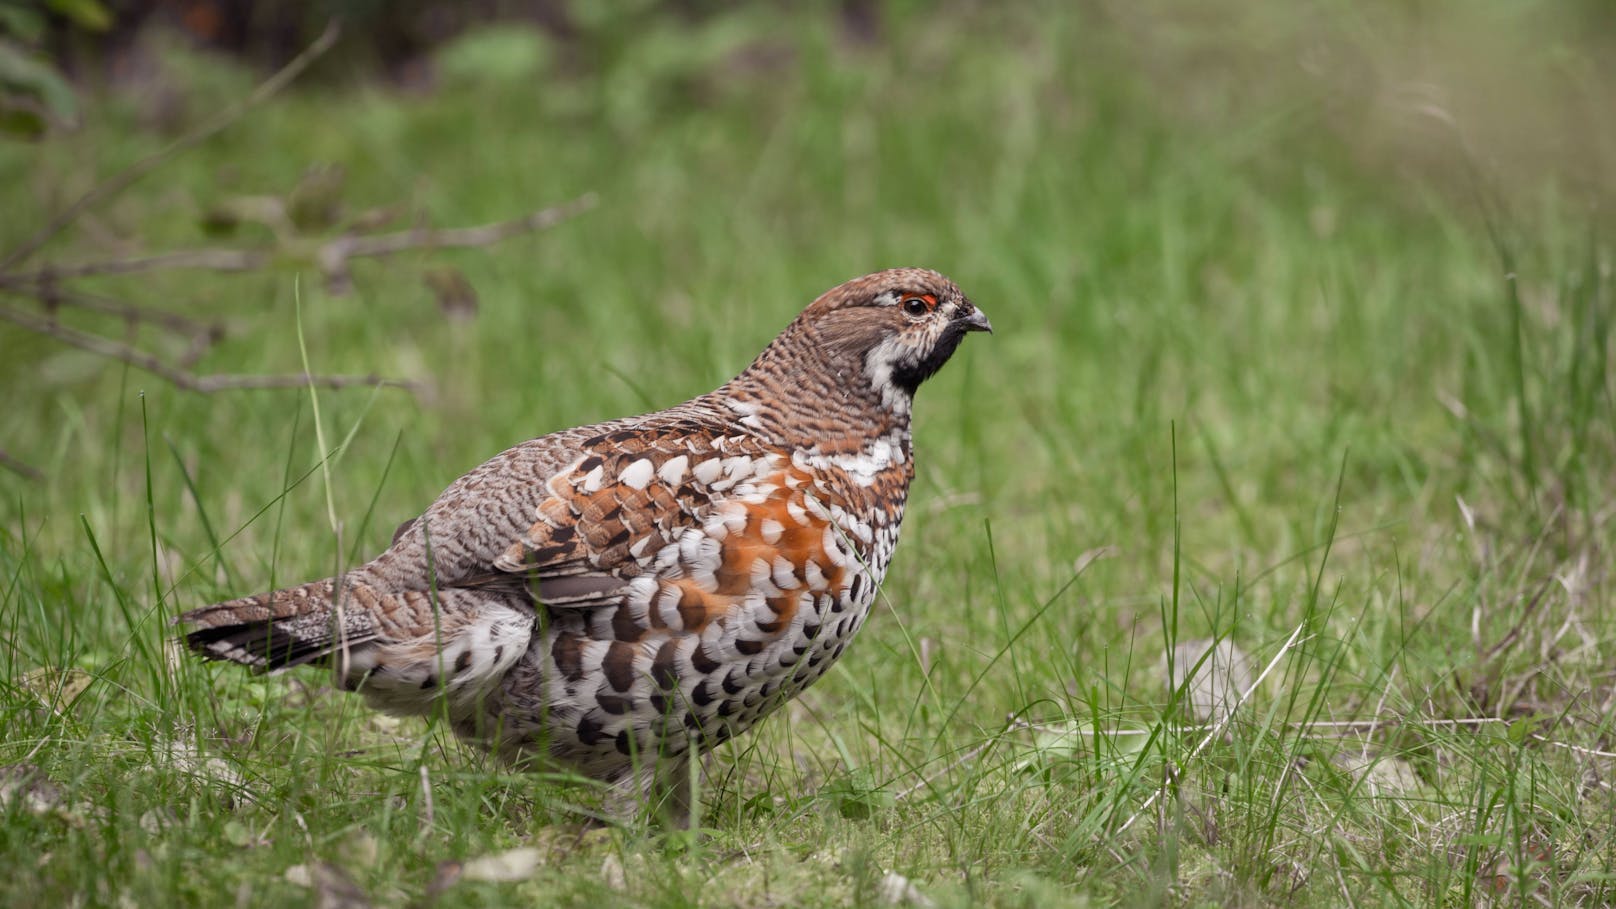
{"x": 402, "y": 649}
{"x": 278, "y": 630}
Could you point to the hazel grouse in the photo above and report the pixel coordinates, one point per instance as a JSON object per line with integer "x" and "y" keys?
{"x": 623, "y": 596}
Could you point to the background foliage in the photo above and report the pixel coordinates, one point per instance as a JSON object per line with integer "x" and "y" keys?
{"x": 1304, "y": 319}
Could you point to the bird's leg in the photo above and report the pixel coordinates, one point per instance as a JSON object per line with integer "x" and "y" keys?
{"x": 662, "y": 793}
{"x": 672, "y": 794}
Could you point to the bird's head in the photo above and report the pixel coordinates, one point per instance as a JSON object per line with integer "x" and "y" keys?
{"x": 850, "y": 363}
{"x": 896, "y": 328}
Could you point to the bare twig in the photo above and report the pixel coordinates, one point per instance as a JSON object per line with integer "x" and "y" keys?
{"x": 205, "y": 384}
{"x": 52, "y": 296}
{"x": 17, "y": 467}
{"x": 332, "y": 257}
{"x": 1338, "y": 729}
{"x": 1380, "y": 705}
{"x": 1532, "y": 603}
{"x": 1591, "y": 752}
{"x": 356, "y": 246}
{"x": 428, "y": 815}
{"x": 1335, "y": 726}
{"x": 203, "y": 259}
{"x": 220, "y": 121}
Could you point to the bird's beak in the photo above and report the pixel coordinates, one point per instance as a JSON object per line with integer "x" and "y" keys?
{"x": 974, "y": 320}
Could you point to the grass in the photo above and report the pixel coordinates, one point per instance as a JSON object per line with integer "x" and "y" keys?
{"x": 1259, "y": 375}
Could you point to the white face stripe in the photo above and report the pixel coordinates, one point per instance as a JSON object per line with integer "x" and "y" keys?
{"x": 878, "y": 366}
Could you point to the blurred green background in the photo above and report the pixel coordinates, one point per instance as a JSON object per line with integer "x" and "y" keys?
{"x": 1303, "y": 322}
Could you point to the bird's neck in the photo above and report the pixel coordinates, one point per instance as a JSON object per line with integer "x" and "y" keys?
{"x": 822, "y": 402}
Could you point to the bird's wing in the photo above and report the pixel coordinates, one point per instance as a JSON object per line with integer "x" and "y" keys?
{"x": 618, "y": 511}
{"x": 679, "y": 532}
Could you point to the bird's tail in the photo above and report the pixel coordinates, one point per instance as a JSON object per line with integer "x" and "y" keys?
{"x": 403, "y": 649}
{"x": 283, "y": 628}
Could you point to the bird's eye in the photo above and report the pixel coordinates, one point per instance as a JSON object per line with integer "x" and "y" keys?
{"x": 914, "y": 306}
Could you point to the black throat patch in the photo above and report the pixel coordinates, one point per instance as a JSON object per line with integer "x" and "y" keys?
{"x": 909, "y": 375}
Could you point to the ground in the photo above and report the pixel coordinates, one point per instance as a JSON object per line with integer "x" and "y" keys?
{"x": 1298, "y": 346}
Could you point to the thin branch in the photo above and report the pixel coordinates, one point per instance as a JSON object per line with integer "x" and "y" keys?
{"x": 1514, "y": 634}
{"x": 332, "y": 256}
{"x": 190, "y": 381}
{"x": 201, "y": 259}
{"x": 1591, "y": 752}
{"x": 51, "y": 296}
{"x": 123, "y": 179}
{"x": 26, "y": 471}
{"x": 1344, "y": 727}
{"x": 1331, "y": 726}
{"x": 228, "y": 382}
{"x": 197, "y": 349}
{"x": 357, "y": 246}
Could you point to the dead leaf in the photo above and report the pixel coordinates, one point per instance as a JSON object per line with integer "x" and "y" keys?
{"x": 155, "y": 820}
{"x": 315, "y": 203}
{"x": 27, "y": 786}
{"x": 187, "y": 758}
{"x": 897, "y": 890}
{"x": 56, "y": 688}
{"x": 333, "y": 888}
{"x": 361, "y": 850}
{"x": 457, "y": 299}
{"x": 1089, "y": 557}
{"x": 1381, "y": 775}
{"x": 611, "y": 871}
{"x": 373, "y": 219}
{"x": 517, "y": 864}
{"x": 448, "y": 874}
{"x": 1219, "y": 681}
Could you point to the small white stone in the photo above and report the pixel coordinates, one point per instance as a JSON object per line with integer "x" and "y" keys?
{"x": 517, "y": 864}
{"x": 897, "y": 890}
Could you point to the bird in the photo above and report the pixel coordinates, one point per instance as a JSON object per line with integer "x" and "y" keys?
{"x": 620, "y": 598}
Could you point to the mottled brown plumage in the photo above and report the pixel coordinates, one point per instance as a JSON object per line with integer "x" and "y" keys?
{"x": 622, "y": 596}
